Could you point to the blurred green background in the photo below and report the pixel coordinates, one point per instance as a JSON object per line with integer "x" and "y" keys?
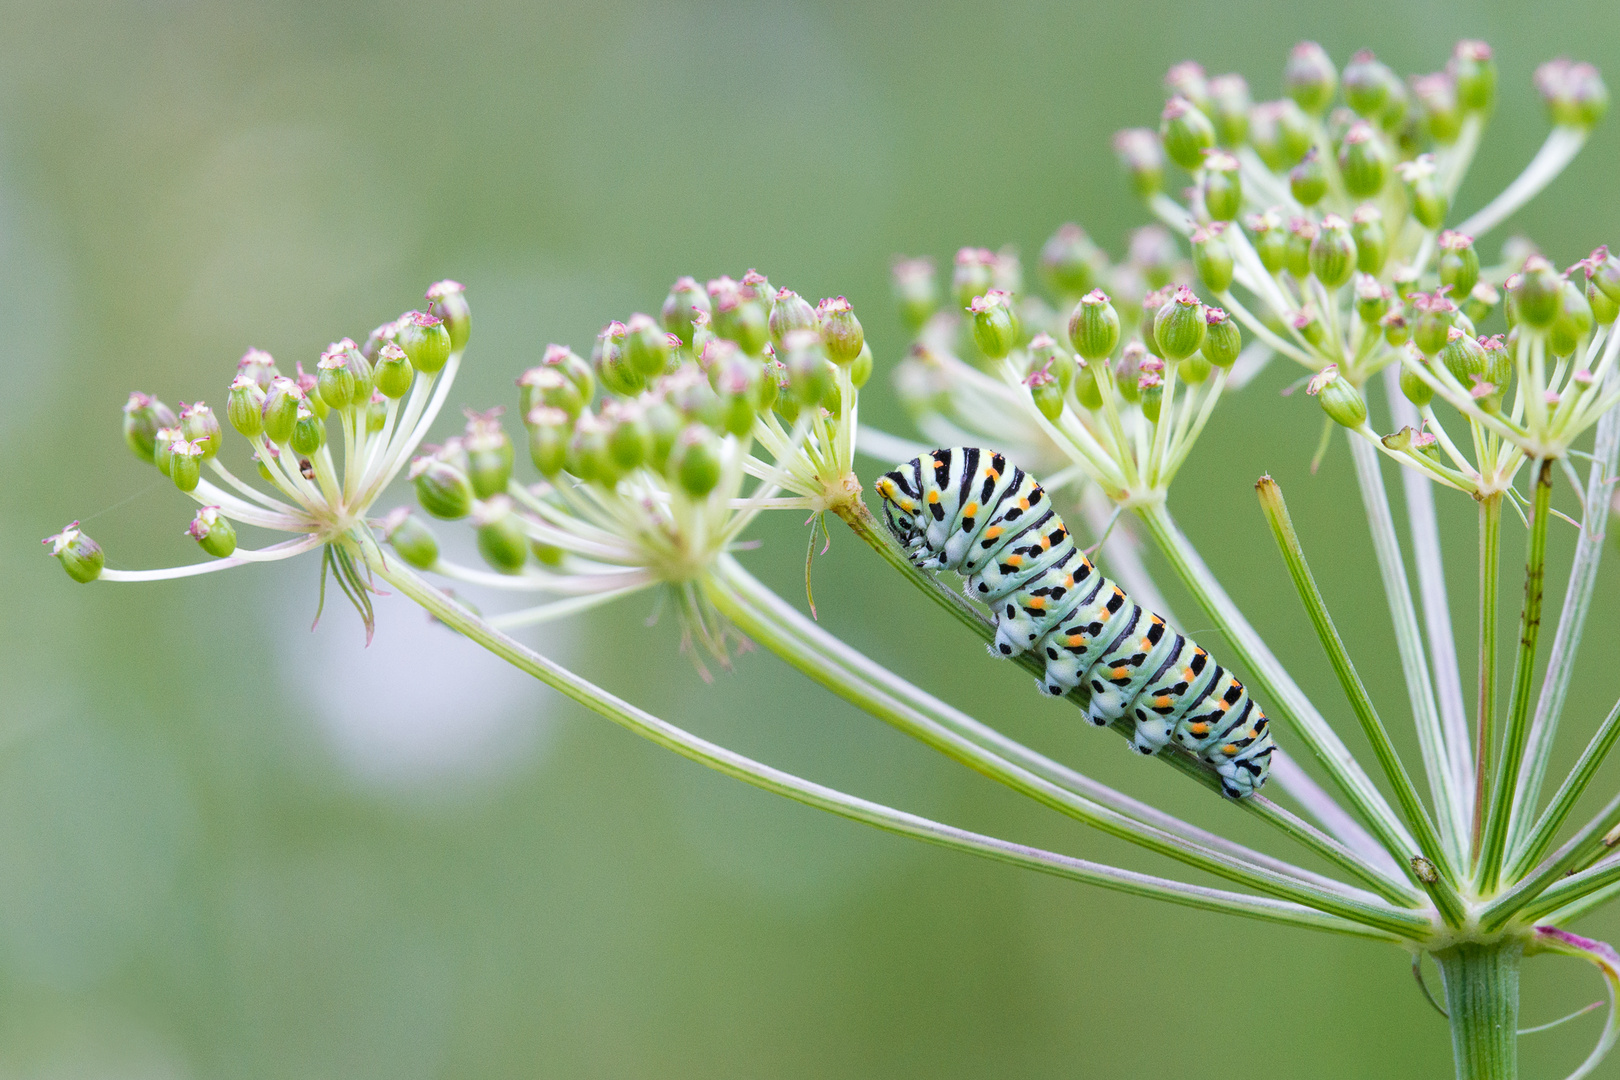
{"x": 230, "y": 847}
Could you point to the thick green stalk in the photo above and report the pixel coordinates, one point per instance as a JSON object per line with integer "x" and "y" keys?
{"x": 1338, "y": 900}
{"x": 1524, "y": 669}
{"x": 1490, "y": 564}
{"x": 762, "y": 776}
{"x": 1285, "y": 694}
{"x": 862, "y": 523}
{"x": 1482, "y": 1002}
{"x": 1450, "y": 810}
{"x": 1571, "y": 624}
{"x": 1442, "y": 880}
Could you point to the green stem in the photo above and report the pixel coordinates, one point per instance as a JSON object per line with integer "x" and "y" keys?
{"x": 1524, "y": 669}
{"x": 1269, "y": 672}
{"x": 763, "y": 776}
{"x": 824, "y": 669}
{"x": 1490, "y": 559}
{"x": 1443, "y": 884}
{"x": 1482, "y": 1001}
{"x": 864, "y": 525}
{"x": 1580, "y": 850}
{"x": 1552, "y": 819}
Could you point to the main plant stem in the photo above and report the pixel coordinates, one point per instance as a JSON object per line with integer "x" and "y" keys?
{"x": 1482, "y": 999}
{"x": 1490, "y": 561}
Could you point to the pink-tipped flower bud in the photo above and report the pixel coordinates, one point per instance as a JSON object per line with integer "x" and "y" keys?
{"x": 612, "y": 365}
{"x": 410, "y": 538}
{"x": 1574, "y": 321}
{"x": 245, "y": 406}
{"x": 995, "y": 324}
{"x": 1185, "y": 132}
{"x": 1223, "y": 341}
{"x": 443, "y": 490}
{"x": 1229, "y": 105}
{"x": 1372, "y": 243}
{"x": 1473, "y": 69}
{"x": 1536, "y": 294}
{"x": 1179, "y": 325}
{"x": 425, "y": 341}
{"x": 1333, "y": 253}
{"x": 393, "y": 373}
{"x": 447, "y": 300}
{"x": 1364, "y": 161}
{"x": 791, "y": 312}
{"x": 1269, "y": 238}
{"x": 1459, "y": 262}
{"x": 259, "y": 366}
{"x": 1574, "y": 93}
{"x": 1070, "y": 262}
{"x": 1310, "y": 78}
{"x": 686, "y": 298}
{"x": 1367, "y": 84}
{"x": 1429, "y": 204}
{"x": 1436, "y": 97}
{"x": 199, "y": 424}
{"x": 1339, "y": 399}
{"x": 185, "y": 464}
{"x": 501, "y": 539}
{"x": 79, "y": 555}
{"x": 647, "y": 346}
{"x": 1212, "y": 257}
{"x": 1142, "y": 157}
{"x": 1094, "y": 326}
{"x": 1046, "y": 392}
{"x": 213, "y": 532}
{"x": 695, "y": 462}
{"x": 309, "y": 432}
{"x": 1280, "y": 133}
{"x": 841, "y": 332}
{"x": 915, "y": 291}
{"x": 144, "y": 417}
{"x": 1223, "y": 186}
{"x": 1307, "y": 181}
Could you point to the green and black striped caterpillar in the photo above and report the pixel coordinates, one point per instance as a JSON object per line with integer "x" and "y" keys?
{"x": 967, "y": 510}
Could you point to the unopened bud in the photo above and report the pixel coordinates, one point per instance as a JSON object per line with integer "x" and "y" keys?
{"x": 489, "y": 453}
{"x": 1150, "y": 392}
{"x": 448, "y": 301}
{"x": 1046, "y": 392}
{"x": 1413, "y": 387}
{"x": 1229, "y": 105}
{"x": 1179, "y": 325}
{"x": 612, "y": 365}
{"x": 1574, "y": 93}
{"x": 1186, "y": 133}
{"x": 1536, "y": 296}
{"x": 1397, "y": 331}
{"x": 185, "y": 464}
{"x": 1465, "y": 358}
{"x": 1436, "y": 317}
{"x": 1222, "y": 339}
{"x": 995, "y": 324}
{"x": 199, "y": 424}
{"x": 1280, "y": 133}
{"x": 79, "y": 555}
{"x": 1070, "y": 261}
{"x": 1436, "y": 96}
{"x": 259, "y": 366}
{"x": 1310, "y": 78}
{"x": 1128, "y": 369}
{"x": 1301, "y": 231}
{"x": 1309, "y": 327}
{"x": 163, "y": 447}
{"x": 443, "y": 490}
{"x": 1363, "y": 160}
{"x": 1142, "y": 157}
{"x": 1212, "y": 257}
{"x": 811, "y": 376}
{"x": 335, "y": 380}
{"x": 686, "y": 298}
{"x": 915, "y": 291}
{"x": 861, "y": 370}
{"x": 1333, "y": 252}
{"x": 410, "y": 538}
{"x": 629, "y": 439}
{"x": 1482, "y": 300}
{"x": 1223, "y": 186}
{"x": 1094, "y": 326}
{"x": 1429, "y": 203}
{"x": 549, "y": 432}
{"x": 1342, "y": 402}
{"x": 1366, "y": 84}
{"x": 501, "y": 539}
{"x": 791, "y": 312}
{"x": 646, "y": 346}
{"x": 737, "y": 317}
{"x": 1574, "y": 321}
{"x": 1372, "y": 299}
{"x": 1604, "y": 308}
{"x": 245, "y": 406}
{"x": 694, "y": 462}
{"x": 1473, "y": 70}
{"x": 213, "y": 532}
{"x": 841, "y": 332}
{"x": 1308, "y": 180}
{"x": 393, "y": 373}
{"x": 1045, "y": 352}
{"x": 1270, "y": 240}
{"x": 144, "y": 416}
{"x": 425, "y": 341}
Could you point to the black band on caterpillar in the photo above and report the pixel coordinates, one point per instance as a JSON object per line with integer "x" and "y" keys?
{"x": 967, "y": 510}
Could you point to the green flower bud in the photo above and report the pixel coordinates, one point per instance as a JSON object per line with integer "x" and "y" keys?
{"x": 376, "y": 413}
{"x": 245, "y": 406}
{"x": 1405, "y": 280}
{"x": 1301, "y": 231}
{"x": 841, "y": 332}
{"x": 1429, "y": 205}
{"x": 1229, "y": 105}
{"x": 1436, "y": 96}
{"x": 791, "y": 312}
{"x": 613, "y": 366}
{"x": 1153, "y": 251}
{"x": 1044, "y": 352}
{"x": 309, "y": 432}
{"x": 1046, "y": 392}
{"x": 443, "y": 490}
{"x": 686, "y": 298}
{"x": 737, "y": 317}
{"x": 1151, "y": 303}
{"x": 861, "y": 369}
{"x": 915, "y": 291}
{"x": 1604, "y": 309}
{"x": 1195, "y": 369}
{"x": 1473, "y": 70}
{"x": 1270, "y": 240}
{"x": 1333, "y": 253}
{"x": 664, "y": 424}
{"x": 425, "y": 341}
{"x": 1482, "y": 300}
{"x": 549, "y": 433}
{"x": 1309, "y": 327}
{"x": 1603, "y": 271}
{"x": 1574, "y": 322}
{"x": 144, "y": 416}
{"x": 1223, "y": 186}
{"x": 163, "y": 447}
{"x": 1537, "y": 292}
{"x": 489, "y": 453}
{"x": 1094, "y": 326}
{"x": 695, "y": 463}
{"x": 1574, "y": 93}
{"x": 1187, "y": 80}
{"x": 1363, "y": 161}
{"x": 972, "y": 274}
{"x": 1212, "y": 258}
{"x": 1397, "y": 332}
{"x": 811, "y": 376}
{"x": 199, "y": 425}
{"x": 259, "y": 366}
{"x": 393, "y": 372}
{"x": 1434, "y": 318}
{"x": 1185, "y": 132}
{"x": 548, "y": 386}
{"x": 995, "y": 324}
{"x": 1310, "y": 78}
{"x": 647, "y": 346}
{"x": 501, "y": 539}
{"x": 185, "y": 464}
{"x": 1465, "y": 358}
{"x": 447, "y": 301}
{"x": 413, "y": 541}
{"x": 738, "y": 380}
{"x": 1128, "y": 370}
{"x": 1280, "y": 133}
{"x": 213, "y": 532}
{"x": 629, "y": 439}
{"x": 1070, "y": 262}
{"x": 588, "y": 455}
{"x": 1222, "y": 339}
{"x": 1086, "y": 390}
{"x": 1142, "y": 157}
{"x": 308, "y": 385}
{"x": 1413, "y": 387}
{"x": 1342, "y": 402}
{"x": 79, "y": 555}
{"x": 1366, "y": 84}
{"x": 335, "y": 381}
{"x": 1308, "y": 180}
{"x": 1179, "y": 325}
{"x": 1150, "y": 392}
{"x": 1372, "y": 299}
{"x": 1372, "y": 245}
{"x": 1498, "y": 361}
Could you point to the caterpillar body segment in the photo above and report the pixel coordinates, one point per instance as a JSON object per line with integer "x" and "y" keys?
{"x": 970, "y": 511}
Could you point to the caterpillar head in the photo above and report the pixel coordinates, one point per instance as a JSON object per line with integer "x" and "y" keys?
{"x": 901, "y": 510}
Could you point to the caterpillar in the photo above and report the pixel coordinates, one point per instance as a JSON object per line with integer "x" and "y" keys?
{"x": 967, "y": 510}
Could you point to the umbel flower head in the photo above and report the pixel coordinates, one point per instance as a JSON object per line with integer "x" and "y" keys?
{"x": 374, "y": 402}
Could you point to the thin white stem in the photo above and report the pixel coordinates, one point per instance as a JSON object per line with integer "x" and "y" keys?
{"x": 558, "y": 609}
{"x": 274, "y": 553}
{"x": 1562, "y": 144}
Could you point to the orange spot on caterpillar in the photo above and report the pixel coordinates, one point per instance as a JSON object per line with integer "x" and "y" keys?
{"x": 1162, "y": 701}
{"x": 1077, "y": 639}
{"x": 1121, "y": 672}
{"x": 992, "y": 532}
{"x": 1023, "y": 504}
{"x": 1229, "y": 749}
{"x": 1015, "y": 560}
{"x": 1200, "y": 729}
{"x": 971, "y": 509}
{"x": 1036, "y": 602}
{"x": 933, "y": 496}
